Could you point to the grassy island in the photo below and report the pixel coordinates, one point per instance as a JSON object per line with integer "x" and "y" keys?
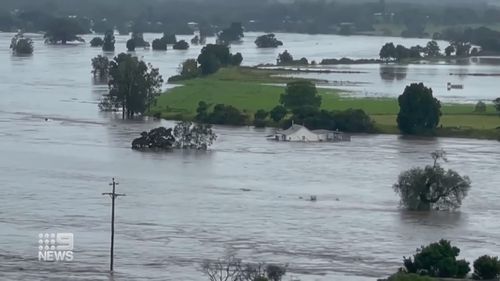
{"x": 251, "y": 89}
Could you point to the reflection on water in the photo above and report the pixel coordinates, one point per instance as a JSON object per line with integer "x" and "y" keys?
{"x": 389, "y": 73}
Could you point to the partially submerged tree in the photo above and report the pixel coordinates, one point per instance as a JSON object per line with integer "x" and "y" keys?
{"x": 194, "y": 136}
{"x": 232, "y": 269}
{"x": 169, "y": 38}
{"x": 419, "y": 111}
{"x": 437, "y": 260}
{"x": 130, "y": 45}
{"x": 159, "y": 45}
{"x": 96, "y": 42}
{"x": 181, "y": 45}
{"x": 133, "y": 86}
{"x": 432, "y": 187}
{"x": 63, "y": 30}
{"x": 100, "y": 66}
{"x": 21, "y": 45}
{"x": 268, "y": 41}
{"x": 139, "y": 41}
{"x": 231, "y": 34}
{"x": 109, "y": 41}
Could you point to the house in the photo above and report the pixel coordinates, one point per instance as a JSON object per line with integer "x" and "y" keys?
{"x": 298, "y": 133}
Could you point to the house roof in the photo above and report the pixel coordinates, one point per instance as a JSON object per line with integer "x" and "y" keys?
{"x": 293, "y": 129}
{"x": 326, "y": 132}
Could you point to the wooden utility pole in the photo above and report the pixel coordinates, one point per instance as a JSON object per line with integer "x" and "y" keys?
{"x": 113, "y": 196}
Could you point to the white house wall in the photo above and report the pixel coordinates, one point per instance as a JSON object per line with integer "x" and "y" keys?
{"x": 302, "y": 134}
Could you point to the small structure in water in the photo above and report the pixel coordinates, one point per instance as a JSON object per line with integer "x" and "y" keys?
{"x": 298, "y": 133}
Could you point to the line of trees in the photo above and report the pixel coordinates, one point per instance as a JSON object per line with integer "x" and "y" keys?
{"x": 306, "y": 16}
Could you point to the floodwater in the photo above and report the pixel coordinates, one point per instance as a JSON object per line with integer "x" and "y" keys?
{"x": 246, "y": 197}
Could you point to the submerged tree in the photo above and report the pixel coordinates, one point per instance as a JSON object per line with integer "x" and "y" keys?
{"x": 133, "y": 86}
{"x": 231, "y": 34}
{"x": 159, "y": 45}
{"x": 21, "y": 45}
{"x": 194, "y": 136}
{"x": 109, "y": 41}
{"x": 181, "y": 45}
{"x": 100, "y": 66}
{"x": 268, "y": 41}
{"x": 432, "y": 187}
{"x": 63, "y": 30}
{"x": 96, "y": 42}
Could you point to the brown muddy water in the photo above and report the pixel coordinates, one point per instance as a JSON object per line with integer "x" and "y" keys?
{"x": 184, "y": 207}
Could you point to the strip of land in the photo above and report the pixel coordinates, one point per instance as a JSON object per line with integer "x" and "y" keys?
{"x": 251, "y": 89}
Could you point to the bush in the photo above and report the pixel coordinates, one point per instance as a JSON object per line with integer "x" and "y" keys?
{"x": 486, "y": 267}
{"x": 437, "y": 260}
{"x": 96, "y": 42}
{"x": 480, "y": 107}
{"x": 181, "y": 45}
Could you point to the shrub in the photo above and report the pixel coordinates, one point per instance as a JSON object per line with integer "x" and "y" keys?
{"x": 486, "y": 267}
{"x": 437, "y": 260}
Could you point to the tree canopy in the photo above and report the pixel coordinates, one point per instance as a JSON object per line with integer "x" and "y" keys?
{"x": 300, "y": 93}
{"x": 181, "y": 45}
{"x": 437, "y": 260}
{"x": 96, "y": 42}
{"x": 133, "y": 86}
{"x": 63, "y": 30}
{"x": 109, "y": 41}
{"x": 496, "y": 103}
{"x": 100, "y": 66}
{"x": 231, "y": 34}
{"x": 159, "y": 44}
{"x": 268, "y": 41}
{"x": 419, "y": 111}
{"x": 213, "y": 57}
{"x": 21, "y": 45}
{"x": 432, "y": 187}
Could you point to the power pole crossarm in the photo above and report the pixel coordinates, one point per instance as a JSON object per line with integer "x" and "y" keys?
{"x": 113, "y": 196}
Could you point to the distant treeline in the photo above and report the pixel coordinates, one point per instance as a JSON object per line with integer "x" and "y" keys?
{"x": 261, "y": 15}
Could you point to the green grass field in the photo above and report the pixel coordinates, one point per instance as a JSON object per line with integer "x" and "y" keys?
{"x": 250, "y": 89}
